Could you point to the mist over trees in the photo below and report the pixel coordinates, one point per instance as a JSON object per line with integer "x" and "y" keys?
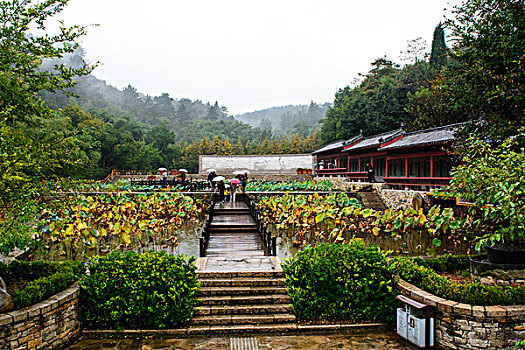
{"x": 287, "y": 120}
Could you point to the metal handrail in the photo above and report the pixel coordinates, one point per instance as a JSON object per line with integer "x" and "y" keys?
{"x": 269, "y": 242}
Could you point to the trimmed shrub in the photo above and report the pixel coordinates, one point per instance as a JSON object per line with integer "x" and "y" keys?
{"x": 139, "y": 291}
{"x": 446, "y": 263}
{"x": 47, "y": 278}
{"x": 341, "y": 282}
{"x": 473, "y": 292}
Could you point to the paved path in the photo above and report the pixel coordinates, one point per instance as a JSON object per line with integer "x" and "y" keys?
{"x": 349, "y": 341}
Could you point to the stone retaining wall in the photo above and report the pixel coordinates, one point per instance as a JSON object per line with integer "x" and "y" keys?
{"x": 51, "y": 324}
{"x": 401, "y": 199}
{"x": 463, "y": 326}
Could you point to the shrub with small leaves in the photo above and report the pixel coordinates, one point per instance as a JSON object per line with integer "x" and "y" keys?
{"x": 341, "y": 282}
{"x": 139, "y": 291}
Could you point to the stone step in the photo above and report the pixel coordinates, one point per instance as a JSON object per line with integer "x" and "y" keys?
{"x": 231, "y": 291}
{"x": 231, "y": 212}
{"x": 242, "y": 319}
{"x": 237, "y": 274}
{"x": 241, "y": 282}
{"x": 245, "y": 299}
{"x": 254, "y": 252}
{"x": 243, "y": 329}
{"x": 233, "y": 228}
{"x": 254, "y": 309}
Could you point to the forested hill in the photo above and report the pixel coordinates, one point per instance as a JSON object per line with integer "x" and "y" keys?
{"x": 287, "y": 119}
{"x": 190, "y": 120}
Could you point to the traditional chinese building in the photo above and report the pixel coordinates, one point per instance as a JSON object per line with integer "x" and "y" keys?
{"x": 417, "y": 160}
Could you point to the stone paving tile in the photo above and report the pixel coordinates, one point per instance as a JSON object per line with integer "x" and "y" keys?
{"x": 383, "y": 341}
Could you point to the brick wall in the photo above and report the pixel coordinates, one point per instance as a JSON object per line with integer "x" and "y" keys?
{"x": 51, "y": 324}
{"x": 463, "y": 326}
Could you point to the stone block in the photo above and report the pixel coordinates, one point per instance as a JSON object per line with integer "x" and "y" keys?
{"x": 6, "y": 319}
{"x": 446, "y": 305}
{"x": 19, "y": 315}
{"x": 478, "y": 311}
{"x": 515, "y": 310}
{"x": 34, "y": 343}
{"x": 479, "y": 343}
{"x": 462, "y": 309}
{"x": 495, "y": 311}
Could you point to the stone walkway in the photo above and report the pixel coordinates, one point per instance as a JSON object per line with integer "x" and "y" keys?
{"x": 349, "y": 341}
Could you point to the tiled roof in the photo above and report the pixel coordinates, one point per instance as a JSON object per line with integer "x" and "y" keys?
{"x": 330, "y": 147}
{"x": 441, "y": 134}
{"x": 373, "y": 141}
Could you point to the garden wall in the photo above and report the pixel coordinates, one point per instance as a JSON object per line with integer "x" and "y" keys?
{"x": 463, "y": 326}
{"x": 257, "y": 164}
{"x": 400, "y": 199}
{"x": 51, "y": 324}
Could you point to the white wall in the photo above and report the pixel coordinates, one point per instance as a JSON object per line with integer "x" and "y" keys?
{"x": 257, "y": 164}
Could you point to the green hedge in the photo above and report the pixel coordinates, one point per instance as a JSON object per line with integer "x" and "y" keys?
{"x": 473, "y": 292}
{"x": 139, "y": 291}
{"x": 341, "y": 282}
{"x": 446, "y": 263}
{"x": 47, "y": 278}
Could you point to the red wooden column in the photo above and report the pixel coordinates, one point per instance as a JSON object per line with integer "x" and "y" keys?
{"x": 406, "y": 166}
{"x": 431, "y": 165}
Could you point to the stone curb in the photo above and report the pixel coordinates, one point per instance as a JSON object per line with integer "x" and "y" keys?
{"x": 192, "y": 331}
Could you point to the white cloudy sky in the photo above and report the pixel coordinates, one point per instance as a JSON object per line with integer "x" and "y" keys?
{"x": 247, "y": 54}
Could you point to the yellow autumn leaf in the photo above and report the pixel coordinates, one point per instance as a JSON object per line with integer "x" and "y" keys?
{"x": 375, "y": 231}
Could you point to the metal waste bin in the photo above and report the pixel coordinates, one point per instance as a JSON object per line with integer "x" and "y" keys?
{"x": 415, "y": 324}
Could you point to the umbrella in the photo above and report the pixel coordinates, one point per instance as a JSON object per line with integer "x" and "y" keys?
{"x": 163, "y": 169}
{"x": 246, "y": 171}
{"x": 211, "y": 171}
{"x": 218, "y": 178}
{"x": 235, "y": 181}
{"x": 183, "y": 170}
{"x": 238, "y": 172}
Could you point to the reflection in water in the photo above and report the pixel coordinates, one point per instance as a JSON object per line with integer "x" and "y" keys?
{"x": 187, "y": 242}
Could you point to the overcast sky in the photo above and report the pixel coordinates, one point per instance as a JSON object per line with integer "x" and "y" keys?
{"x": 247, "y": 54}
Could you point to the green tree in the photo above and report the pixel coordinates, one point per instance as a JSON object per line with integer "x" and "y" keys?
{"x": 238, "y": 149}
{"x": 438, "y": 55}
{"x": 488, "y": 77}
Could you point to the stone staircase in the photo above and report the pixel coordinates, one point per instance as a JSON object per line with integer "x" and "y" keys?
{"x": 233, "y": 232}
{"x": 243, "y": 302}
{"x": 372, "y": 200}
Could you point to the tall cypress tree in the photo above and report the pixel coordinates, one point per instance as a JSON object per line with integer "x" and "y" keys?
{"x": 438, "y": 55}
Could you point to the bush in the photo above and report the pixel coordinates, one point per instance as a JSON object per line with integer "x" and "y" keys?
{"x": 47, "y": 278}
{"x": 446, "y": 263}
{"x": 473, "y": 292}
{"x": 139, "y": 291}
{"x": 341, "y": 282}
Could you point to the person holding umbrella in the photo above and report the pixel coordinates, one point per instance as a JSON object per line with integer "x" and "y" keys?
{"x": 212, "y": 174}
{"x": 233, "y": 186}
{"x": 244, "y": 181}
{"x": 221, "y": 188}
{"x": 164, "y": 173}
{"x": 183, "y": 176}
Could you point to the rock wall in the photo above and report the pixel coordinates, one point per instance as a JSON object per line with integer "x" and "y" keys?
{"x": 51, "y": 324}
{"x": 400, "y": 199}
{"x": 463, "y": 326}
{"x": 257, "y": 164}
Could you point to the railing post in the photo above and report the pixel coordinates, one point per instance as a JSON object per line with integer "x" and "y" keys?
{"x": 202, "y": 252}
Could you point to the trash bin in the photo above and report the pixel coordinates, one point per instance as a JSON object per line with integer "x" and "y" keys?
{"x": 415, "y": 323}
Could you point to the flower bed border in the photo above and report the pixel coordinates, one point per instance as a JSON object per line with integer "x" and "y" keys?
{"x": 461, "y": 326}
{"x": 50, "y": 324}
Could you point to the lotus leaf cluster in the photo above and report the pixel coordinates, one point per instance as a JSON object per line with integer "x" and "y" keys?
{"x": 133, "y": 220}
{"x": 274, "y": 186}
{"x": 311, "y": 219}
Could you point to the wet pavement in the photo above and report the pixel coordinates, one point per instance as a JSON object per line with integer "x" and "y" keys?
{"x": 383, "y": 341}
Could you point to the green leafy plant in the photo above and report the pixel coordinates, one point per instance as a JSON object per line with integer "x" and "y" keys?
{"x": 45, "y": 279}
{"x": 270, "y": 186}
{"x": 311, "y": 219}
{"x": 139, "y": 291}
{"x": 473, "y": 292}
{"x": 134, "y": 220}
{"x": 491, "y": 178}
{"x": 341, "y": 282}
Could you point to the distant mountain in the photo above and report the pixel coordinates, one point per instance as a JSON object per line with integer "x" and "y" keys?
{"x": 287, "y": 119}
{"x": 190, "y": 120}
